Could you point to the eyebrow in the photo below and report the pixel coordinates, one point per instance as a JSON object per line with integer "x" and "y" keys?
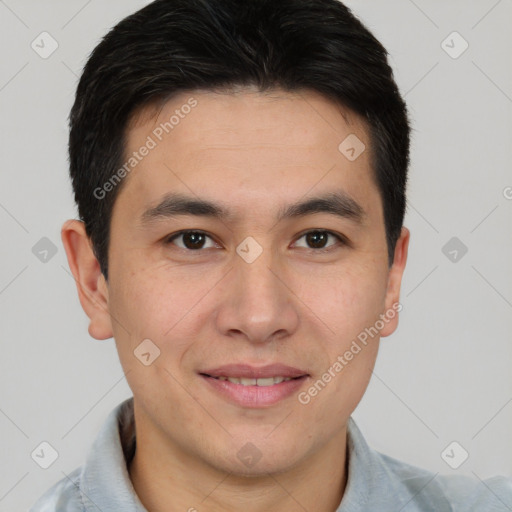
{"x": 335, "y": 203}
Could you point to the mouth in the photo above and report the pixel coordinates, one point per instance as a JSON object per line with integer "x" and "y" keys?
{"x": 262, "y": 382}
{"x": 254, "y": 387}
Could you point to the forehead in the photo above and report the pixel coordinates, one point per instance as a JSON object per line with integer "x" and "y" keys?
{"x": 230, "y": 115}
{"x": 244, "y": 144}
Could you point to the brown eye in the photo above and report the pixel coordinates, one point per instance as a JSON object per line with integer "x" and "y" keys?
{"x": 191, "y": 240}
{"x": 318, "y": 239}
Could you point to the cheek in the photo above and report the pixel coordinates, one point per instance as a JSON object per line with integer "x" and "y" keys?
{"x": 348, "y": 302}
{"x": 354, "y": 308}
{"x": 137, "y": 302}
{"x": 149, "y": 308}
{"x": 151, "y": 301}
{"x": 159, "y": 304}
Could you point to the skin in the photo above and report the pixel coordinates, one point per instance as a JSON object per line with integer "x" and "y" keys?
{"x": 253, "y": 153}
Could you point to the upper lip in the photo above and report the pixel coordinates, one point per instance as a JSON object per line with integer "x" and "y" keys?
{"x": 254, "y": 372}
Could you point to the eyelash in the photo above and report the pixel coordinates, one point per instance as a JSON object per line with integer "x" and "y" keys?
{"x": 341, "y": 239}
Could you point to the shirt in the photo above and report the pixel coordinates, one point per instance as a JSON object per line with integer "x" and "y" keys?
{"x": 376, "y": 482}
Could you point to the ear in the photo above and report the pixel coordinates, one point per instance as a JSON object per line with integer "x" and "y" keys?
{"x": 90, "y": 282}
{"x": 394, "y": 283}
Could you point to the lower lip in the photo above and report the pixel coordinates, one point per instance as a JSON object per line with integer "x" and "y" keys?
{"x": 255, "y": 396}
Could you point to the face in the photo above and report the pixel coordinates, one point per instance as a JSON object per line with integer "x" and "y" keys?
{"x": 277, "y": 276}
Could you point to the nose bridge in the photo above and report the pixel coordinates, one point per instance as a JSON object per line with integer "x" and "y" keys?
{"x": 258, "y": 284}
{"x": 259, "y": 305}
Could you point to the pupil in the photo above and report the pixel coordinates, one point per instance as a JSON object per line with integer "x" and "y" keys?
{"x": 196, "y": 240}
{"x": 316, "y": 239}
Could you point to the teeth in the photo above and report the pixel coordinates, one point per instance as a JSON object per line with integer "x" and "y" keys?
{"x": 268, "y": 381}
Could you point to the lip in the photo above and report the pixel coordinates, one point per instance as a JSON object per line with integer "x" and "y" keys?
{"x": 255, "y": 372}
{"x": 254, "y": 396}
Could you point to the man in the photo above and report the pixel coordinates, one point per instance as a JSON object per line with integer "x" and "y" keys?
{"x": 240, "y": 172}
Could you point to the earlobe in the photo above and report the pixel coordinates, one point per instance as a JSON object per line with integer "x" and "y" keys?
{"x": 394, "y": 283}
{"x": 90, "y": 282}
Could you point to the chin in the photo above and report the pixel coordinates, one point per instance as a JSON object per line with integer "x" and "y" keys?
{"x": 253, "y": 459}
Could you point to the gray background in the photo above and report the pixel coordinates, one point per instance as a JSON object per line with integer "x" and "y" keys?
{"x": 443, "y": 376}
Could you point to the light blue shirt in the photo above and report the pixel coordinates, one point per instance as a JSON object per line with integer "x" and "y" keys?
{"x": 376, "y": 482}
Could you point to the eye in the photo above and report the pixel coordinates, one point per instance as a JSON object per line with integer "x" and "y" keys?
{"x": 191, "y": 240}
{"x": 194, "y": 240}
{"x": 317, "y": 240}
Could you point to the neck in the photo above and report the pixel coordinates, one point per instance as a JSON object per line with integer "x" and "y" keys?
{"x": 168, "y": 479}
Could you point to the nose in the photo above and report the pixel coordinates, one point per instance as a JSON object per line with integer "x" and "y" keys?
{"x": 257, "y": 304}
